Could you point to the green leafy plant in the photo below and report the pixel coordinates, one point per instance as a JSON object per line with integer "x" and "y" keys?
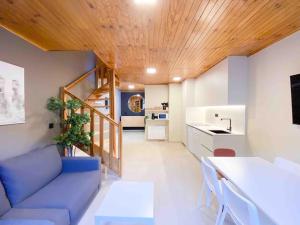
{"x": 73, "y": 125}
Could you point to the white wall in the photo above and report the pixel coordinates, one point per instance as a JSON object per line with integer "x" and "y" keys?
{"x": 235, "y": 112}
{"x": 270, "y": 129}
{"x": 45, "y": 73}
{"x": 175, "y": 113}
{"x": 206, "y": 115}
{"x": 155, "y": 95}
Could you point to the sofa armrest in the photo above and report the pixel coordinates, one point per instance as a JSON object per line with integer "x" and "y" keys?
{"x": 80, "y": 164}
{"x": 24, "y": 222}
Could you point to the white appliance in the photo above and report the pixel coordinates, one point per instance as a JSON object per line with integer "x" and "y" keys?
{"x": 163, "y": 116}
{"x": 157, "y": 132}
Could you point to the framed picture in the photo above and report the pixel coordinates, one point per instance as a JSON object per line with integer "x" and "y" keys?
{"x": 12, "y": 108}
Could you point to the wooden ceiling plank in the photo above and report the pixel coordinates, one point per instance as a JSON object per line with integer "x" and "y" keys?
{"x": 174, "y": 17}
{"x": 219, "y": 25}
{"x": 187, "y": 10}
{"x": 184, "y": 37}
{"x": 185, "y": 31}
{"x": 216, "y": 40}
{"x": 275, "y": 37}
{"x": 213, "y": 14}
{"x": 267, "y": 19}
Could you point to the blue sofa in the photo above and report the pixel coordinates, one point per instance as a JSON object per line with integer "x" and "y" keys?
{"x": 41, "y": 188}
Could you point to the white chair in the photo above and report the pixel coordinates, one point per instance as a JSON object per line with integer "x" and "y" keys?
{"x": 287, "y": 165}
{"x": 241, "y": 210}
{"x": 211, "y": 185}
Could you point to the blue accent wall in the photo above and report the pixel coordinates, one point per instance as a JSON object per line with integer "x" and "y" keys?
{"x": 125, "y": 111}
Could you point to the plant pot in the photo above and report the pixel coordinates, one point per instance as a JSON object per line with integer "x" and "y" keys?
{"x": 60, "y": 150}
{"x": 70, "y": 151}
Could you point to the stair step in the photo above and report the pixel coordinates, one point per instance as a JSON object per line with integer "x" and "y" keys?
{"x": 100, "y": 106}
{"x": 97, "y": 99}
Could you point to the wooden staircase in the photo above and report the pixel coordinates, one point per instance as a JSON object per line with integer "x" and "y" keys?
{"x": 106, "y": 141}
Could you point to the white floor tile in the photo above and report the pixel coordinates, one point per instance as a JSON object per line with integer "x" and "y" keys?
{"x": 177, "y": 177}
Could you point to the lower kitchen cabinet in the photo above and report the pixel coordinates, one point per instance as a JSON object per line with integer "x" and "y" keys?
{"x": 201, "y": 143}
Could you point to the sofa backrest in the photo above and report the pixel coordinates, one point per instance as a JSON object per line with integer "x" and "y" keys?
{"x": 24, "y": 175}
{"x": 4, "y": 203}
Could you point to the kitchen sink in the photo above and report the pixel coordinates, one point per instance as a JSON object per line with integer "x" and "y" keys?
{"x": 219, "y": 131}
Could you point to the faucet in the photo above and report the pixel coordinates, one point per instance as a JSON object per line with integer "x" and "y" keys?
{"x": 230, "y": 127}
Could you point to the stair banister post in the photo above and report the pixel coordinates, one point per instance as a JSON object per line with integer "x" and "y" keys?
{"x": 120, "y": 158}
{"x": 101, "y": 137}
{"x": 92, "y": 129}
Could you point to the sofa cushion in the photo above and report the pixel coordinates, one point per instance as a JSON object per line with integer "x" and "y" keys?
{"x": 57, "y": 216}
{"x": 24, "y": 175}
{"x": 72, "y": 191}
{"x": 4, "y": 203}
{"x": 24, "y": 222}
{"x": 80, "y": 164}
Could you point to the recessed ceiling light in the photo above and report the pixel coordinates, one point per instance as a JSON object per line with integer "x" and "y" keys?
{"x": 151, "y": 70}
{"x": 176, "y": 78}
{"x": 131, "y": 86}
{"x": 148, "y": 2}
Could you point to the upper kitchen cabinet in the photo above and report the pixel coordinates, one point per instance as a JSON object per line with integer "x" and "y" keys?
{"x": 224, "y": 84}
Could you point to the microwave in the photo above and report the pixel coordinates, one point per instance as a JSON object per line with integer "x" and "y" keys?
{"x": 162, "y": 116}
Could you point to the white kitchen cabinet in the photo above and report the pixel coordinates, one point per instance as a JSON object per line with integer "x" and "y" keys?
{"x": 190, "y": 138}
{"x": 223, "y": 84}
{"x": 199, "y": 143}
{"x": 202, "y": 143}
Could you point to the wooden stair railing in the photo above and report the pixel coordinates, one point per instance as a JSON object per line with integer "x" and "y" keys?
{"x": 107, "y": 139}
{"x": 81, "y": 78}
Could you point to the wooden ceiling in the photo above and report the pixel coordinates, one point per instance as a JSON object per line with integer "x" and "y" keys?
{"x": 124, "y": 86}
{"x": 178, "y": 37}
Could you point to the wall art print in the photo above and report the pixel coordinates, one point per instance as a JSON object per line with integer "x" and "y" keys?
{"x": 12, "y": 108}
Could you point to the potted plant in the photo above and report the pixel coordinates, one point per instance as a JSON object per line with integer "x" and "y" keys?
{"x": 73, "y": 125}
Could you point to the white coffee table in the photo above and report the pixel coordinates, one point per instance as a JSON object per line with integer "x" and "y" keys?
{"x": 130, "y": 202}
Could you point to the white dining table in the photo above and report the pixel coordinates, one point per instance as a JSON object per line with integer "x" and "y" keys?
{"x": 274, "y": 191}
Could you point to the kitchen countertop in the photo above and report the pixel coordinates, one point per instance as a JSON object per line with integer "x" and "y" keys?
{"x": 206, "y": 127}
{"x": 157, "y": 120}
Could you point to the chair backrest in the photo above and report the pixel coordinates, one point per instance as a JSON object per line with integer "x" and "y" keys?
{"x": 287, "y": 165}
{"x": 241, "y": 209}
{"x": 211, "y": 178}
{"x": 224, "y": 152}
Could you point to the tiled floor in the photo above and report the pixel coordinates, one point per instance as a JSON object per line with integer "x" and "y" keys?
{"x": 176, "y": 175}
